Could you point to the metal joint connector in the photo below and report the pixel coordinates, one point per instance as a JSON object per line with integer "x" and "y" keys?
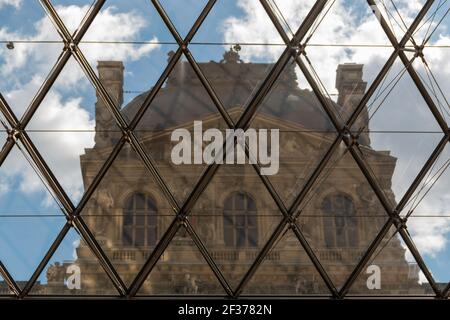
{"x": 182, "y": 221}
{"x": 350, "y": 138}
{"x": 298, "y": 50}
{"x": 13, "y": 134}
{"x": 70, "y": 46}
{"x": 401, "y": 222}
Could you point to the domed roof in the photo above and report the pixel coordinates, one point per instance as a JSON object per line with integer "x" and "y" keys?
{"x": 183, "y": 99}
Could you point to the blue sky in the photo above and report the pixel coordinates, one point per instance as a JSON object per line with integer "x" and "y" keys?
{"x": 25, "y": 194}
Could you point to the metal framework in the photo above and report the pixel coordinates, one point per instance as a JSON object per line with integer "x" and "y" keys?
{"x": 296, "y": 49}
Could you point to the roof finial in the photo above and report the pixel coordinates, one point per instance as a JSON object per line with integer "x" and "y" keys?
{"x": 232, "y": 56}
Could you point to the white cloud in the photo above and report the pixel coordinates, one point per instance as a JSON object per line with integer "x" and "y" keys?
{"x": 109, "y": 25}
{"x": 61, "y": 150}
{"x": 14, "y": 3}
{"x": 354, "y": 23}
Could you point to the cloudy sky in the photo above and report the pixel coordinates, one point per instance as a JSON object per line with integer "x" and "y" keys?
{"x": 69, "y": 106}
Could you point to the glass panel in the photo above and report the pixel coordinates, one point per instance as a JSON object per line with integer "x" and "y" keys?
{"x": 171, "y": 130}
{"x": 345, "y": 53}
{"x": 13, "y": 12}
{"x": 128, "y": 46}
{"x": 340, "y": 236}
{"x": 4, "y": 288}
{"x": 305, "y": 132}
{"x": 181, "y": 270}
{"x": 73, "y": 270}
{"x": 72, "y": 12}
{"x": 3, "y": 134}
{"x": 23, "y": 70}
{"x": 400, "y": 14}
{"x": 24, "y": 241}
{"x": 234, "y": 249}
{"x": 430, "y": 197}
{"x": 126, "y": 248}
{"x": 431, "y": 235}
{"x": 287, "y": 270}
{"x": 391, "y": 271}
{"x": 23, "y": 190}
{"x": 432, "y": 69}
{"x": 129, "y": 69}
{"x": 127, "y": 26}
{"x": 429, "y": 222}
{"x": 236, "y": 47}
{"x": 235, "y": 72}
{"x": 240, "y": 22}
{"x": 402, "y": 144}
{"x": 433, "y": 30}
{"x": 28, "y": 51}
{"x": 70, "y": 128}
{"x": 291, "y": 14}
{"x": 183, "y": 19}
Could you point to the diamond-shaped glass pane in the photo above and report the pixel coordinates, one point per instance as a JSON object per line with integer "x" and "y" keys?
{"x": 181, "y": 111}
{"x": 432, "y": 241}
{"x": 183, "y": 19}
{"x": 305, "y": 131}
{"x": 287, "y": 270}
{"x": 181, "y": 270}
{"x": 396, "y": 146}
{"x": 341, "y": 216}
{"x": 235, "y": 217}
{"x": 128, "y": 213}
{"x": 24, "y": 241}
{"x": 391, "y": 271}
{"x": 69, "y": 124}
{"x": 73, "y": 270}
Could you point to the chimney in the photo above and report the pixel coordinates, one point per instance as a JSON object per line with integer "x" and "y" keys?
{"x": 351, "y": 88}
{"x": 110, "y": 74}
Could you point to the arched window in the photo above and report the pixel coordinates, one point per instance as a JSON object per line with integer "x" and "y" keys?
{"x": 240, "y": 226}
{"x": 340, "y": 222}
{"x": 139, "y": 221}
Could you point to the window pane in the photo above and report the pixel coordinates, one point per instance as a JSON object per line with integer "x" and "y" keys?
{"x": 239, "y": 201}
{"x": 241, "y": 238}
{"x": 329, "y": 238}
{"x": 127, "y": 236}
{"x": 139, "y": 199}
{"x": 139, "y": 236}
{"x": 229, "y": 236}
{"x": 239, "y": 220}
{"x": 140, "y": 219}
{"x": 151, "y": 220}
{"x": 151, "y": 236}
{"x": 252, "y": 219}
{"x": 128, "y": 218}
{"x": 228, "y": 219}
{"x": 252, "y": 237}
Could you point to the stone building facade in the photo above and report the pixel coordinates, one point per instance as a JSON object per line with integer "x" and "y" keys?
{"x": 235, "y": 216}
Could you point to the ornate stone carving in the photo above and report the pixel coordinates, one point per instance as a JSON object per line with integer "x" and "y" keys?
{"x": 55, "y": 273}
{"x": 190, "y": 284}
{"x": 104, "y": 203}
{"x": 232, "y": 56}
